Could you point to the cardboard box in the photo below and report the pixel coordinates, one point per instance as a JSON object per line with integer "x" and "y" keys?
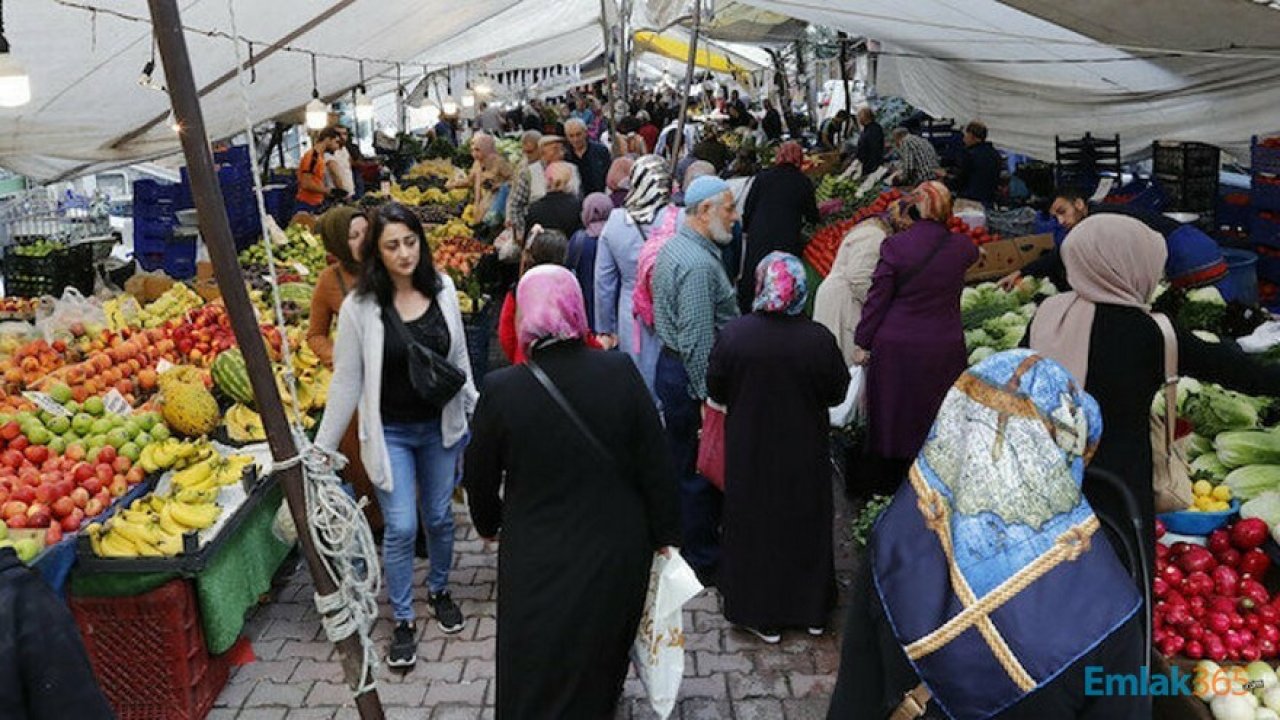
{"x": 998, "y": 259}
{"x": 204, "y": 270}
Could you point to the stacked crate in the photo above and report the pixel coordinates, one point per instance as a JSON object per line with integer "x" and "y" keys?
{"x": 1188, "y": 174}
{"x": 1083, "y": 162}
{"x": 1264, "y": 220}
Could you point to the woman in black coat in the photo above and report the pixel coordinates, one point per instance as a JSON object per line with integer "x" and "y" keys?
{"x": 779, "y": 201}
{"x": 580, "y": 523}
{"x": 1114, "y": 264}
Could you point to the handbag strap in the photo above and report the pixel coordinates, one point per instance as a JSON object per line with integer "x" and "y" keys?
{"x": 1170, "y": 380}
{"x": 547, "y": 384}
{"x": 396, "y": 322}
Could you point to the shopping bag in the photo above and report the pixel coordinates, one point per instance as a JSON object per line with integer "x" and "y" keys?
{"x": 711, "y": 445}
{"x": 844, "y": 414}
{"x": 658, "y": 650}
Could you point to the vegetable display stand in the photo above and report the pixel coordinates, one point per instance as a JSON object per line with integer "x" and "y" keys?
{"x": 148, "y": 653}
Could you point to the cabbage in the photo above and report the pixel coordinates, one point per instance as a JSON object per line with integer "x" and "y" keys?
{"x": 1206, "y": 336}
{"x": 1209, "y": 467}
{"x": 1207, "y": 295}
{"x": 1198, "y": 445}
{"x": 980, "y": 354}
{"x": 976, "y": 338}
{"x": 1266, "y": 507}
{"x": 1214, "y": 410}
{"x": 1254, "y": 447}
{"x": 1251, "y": 481}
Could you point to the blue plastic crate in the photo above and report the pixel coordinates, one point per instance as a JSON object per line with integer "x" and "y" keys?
{"x": 1264, "y": 159}
{"x": 1264, "y": 196}
{"x": 1147, "y": 195}
{"x": 1233, "y": 215}
{"x": 234, "y": 155}
{"x": 1265, "y": 231}
{"x": 1268, "y": 267}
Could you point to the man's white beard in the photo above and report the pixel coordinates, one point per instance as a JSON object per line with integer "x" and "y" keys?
{"x": 720, "y": 234}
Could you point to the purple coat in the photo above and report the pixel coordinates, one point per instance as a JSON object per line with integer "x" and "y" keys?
{"x": 914, "y": 333}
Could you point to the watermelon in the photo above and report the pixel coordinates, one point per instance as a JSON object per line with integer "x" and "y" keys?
{"x": 299, "y": 293}
{"x": 232, "y": 377}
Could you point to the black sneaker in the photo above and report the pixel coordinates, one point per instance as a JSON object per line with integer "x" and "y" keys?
{"x": 420, "y": 545}
{"x": 448, "y": 614}
{"x": 404, "y": 646}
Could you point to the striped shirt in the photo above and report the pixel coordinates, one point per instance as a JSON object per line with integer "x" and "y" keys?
{"x": 692, "y": 299}
{"x": 917, "y": 160}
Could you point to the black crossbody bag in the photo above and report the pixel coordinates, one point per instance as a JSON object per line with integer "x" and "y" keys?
{"x": 433, "y": 377}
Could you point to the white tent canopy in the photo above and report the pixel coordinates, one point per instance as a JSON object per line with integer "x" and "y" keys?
{"x": 1033, "y": 69}
{"x": 88, "y": 110}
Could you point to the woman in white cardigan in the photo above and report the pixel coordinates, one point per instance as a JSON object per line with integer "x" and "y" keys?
{"x": 409, "y": 447}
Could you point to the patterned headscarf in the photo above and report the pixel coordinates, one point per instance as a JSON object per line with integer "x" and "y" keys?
{"x": 549, "y": 307}
{"x": 619, "y": 177}
{"x": 780, "y": 285}
{"x": 650, "y": 189}
{"x": 991, "y": 542}
{"x": 790, "y": 153}
{"x": 933, "y": 200}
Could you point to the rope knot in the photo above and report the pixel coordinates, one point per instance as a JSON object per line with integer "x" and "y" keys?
{"x": 1077, "y": 542}
{"x": 932, "y": 508}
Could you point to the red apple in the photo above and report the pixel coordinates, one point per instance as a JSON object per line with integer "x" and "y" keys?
{"x": 75, "y": 451}
{"x": 118, "y": 486}
{"x": 38, "y": 515}
{"x": 92, "y": 485}
{"x": 10, "y": 430}
{"x": 29, "y": 476}
{"x": 63, "y": 506}
{"x": 104, "y": 472}
{"x": 53, "y": 535}
{"x": 94, "y": 508}
{"x": 4, "y": 494}
{"x": 17, "y": 522}
{"x": 44, "y": 493}
{"x": 71, "y": 523}
{"x": 82, "y": 472}
{"x": 63, "y": 486}
{"x": 79, "y": 496}
{"x": 121, "y": 464}
{"x": 135, "y": 475}
{"x": 106, "y": 455}
{"x": 11, "y": 458}
{"x": 36, "y": 453}
{"x": 19, "y": 443}
{"x": 12, "y": 509}
{"x": 26, "y": 494}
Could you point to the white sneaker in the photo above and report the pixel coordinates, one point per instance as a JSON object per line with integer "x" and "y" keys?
{"x": 772, "y": 637}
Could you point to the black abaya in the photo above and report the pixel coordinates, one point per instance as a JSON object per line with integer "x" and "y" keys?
{"x": 578, "y": 533}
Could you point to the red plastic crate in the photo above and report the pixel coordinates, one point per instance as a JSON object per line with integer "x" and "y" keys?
{"x": 149, "y": 655}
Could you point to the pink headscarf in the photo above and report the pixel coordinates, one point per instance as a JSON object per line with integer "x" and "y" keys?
{"x": 790, "y": 153}
{"x": 549, "y": 306}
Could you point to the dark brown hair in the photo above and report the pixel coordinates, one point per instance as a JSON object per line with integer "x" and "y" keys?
{"x": 374, "y": 277}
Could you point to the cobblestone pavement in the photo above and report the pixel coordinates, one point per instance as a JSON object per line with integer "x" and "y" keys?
{"x": 729, "y": 674}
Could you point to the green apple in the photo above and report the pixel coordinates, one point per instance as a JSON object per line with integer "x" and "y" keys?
{"x": 82, "y": 423}
{"x": 117, "y": 438}
{"x": 115, "y": 420}
{"x": 131, "y": 428}
{"x": 45, "y": 417}
{"x": 72, "y": 406}
{"x": 130, "y": 450}
{"x": 27, "y": 549}
{"x": 146, "y": 421}
{"x": 60, "y": 393}
{"x": 101, "y": 426}
{"x": 143, "y": 440}
{"x": 57, "y": 445}
{"x": 160, "y": 432}
{"x": 94, "y": 406}
{"x": 39, "y": 436}
{"x": 59, "y": 425}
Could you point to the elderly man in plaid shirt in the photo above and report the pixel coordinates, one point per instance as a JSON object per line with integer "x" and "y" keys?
{"x": 692, "y": 299}
{"x": 917, "y": 160}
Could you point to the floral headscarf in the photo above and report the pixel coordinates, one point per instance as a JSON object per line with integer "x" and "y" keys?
{"x": 780, "y": 285}
{"x": 549, "y": 307}
{"x": 933, "y": 200}
{"x": 619, "y": 174}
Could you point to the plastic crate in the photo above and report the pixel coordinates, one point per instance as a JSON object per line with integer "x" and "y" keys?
{"x": 1264, "y": 159}
{"x": 149, "y": 655}
{"x": 1190, "y": 194}
{"x": 1265, "y": 229}
{"x": 1234, "y": 210}
{"x": 1185, "y": 159}
{"x": 1268, "y": 263}
{"x": 1142, "y": 194}
{"x": 1264, "y": 193}
{"x": 26, "y": 276}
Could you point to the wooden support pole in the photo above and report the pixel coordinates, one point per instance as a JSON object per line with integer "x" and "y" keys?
{"x": 678, "y": 146}
{"x": 216, "y": 232}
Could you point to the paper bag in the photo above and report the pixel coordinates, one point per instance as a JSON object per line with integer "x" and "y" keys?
{"x": 658, "y": 650}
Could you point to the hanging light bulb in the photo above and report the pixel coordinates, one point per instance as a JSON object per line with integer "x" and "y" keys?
{"x": 364, "y": 105}
{"x": 449, "y": 106}
{"x": 483, "y": 88}
{"x": 317, "y": 110}
{"x": 468, "y": 99}
{"x": 173, "y": 123}
{"x": 15, "y": 84}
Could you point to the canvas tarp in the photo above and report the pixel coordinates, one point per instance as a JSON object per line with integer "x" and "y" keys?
{"x": 88, "y": 110}
{"x": 1033, "y": 69}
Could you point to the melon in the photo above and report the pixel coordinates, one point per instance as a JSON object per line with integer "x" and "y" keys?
{"x": 231, "y": 376}
{"x": 190, "y": 410}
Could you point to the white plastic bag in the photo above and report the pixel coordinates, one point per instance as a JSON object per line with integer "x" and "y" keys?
{"x": 658, "y": 650}
{"x": 70, "y": 315}
{"x": 1263, "y": 338}
{"x": 846, "y": 412}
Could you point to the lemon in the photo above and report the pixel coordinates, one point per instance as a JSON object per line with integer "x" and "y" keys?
{"x": 1218, "y": 506}
{"x": 1222, "y": 492}
{"x": 1204, "y": 502}
{"x": 1202, "y": 487}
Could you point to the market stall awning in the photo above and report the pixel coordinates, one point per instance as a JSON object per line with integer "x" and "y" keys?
{"x": 1033, "y": 69}
{"x": 89, "y": 111}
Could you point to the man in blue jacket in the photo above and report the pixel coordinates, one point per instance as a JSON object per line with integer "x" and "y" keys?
{"x": 978, "y": 177}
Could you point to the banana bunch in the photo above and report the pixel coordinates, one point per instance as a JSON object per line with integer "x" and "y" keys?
{"x": 244, "y": 425}
{"x": 122, "y": 312}
{"x": 153, "y": 526}
{"x": 174, "y": 453}
{"x": 209, "y": 474}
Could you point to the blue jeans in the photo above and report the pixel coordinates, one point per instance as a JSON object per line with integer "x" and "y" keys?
{"x": 423, "y": 477}
{"x": 700, "y": 501}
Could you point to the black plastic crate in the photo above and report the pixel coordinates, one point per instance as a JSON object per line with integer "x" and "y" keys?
{"x": 1190, "y": 194}
{"x": 1185, "y": 159}
{"x": 26, "y": 276}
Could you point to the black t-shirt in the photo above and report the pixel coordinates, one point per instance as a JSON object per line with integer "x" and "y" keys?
{"x": 400, "y": 404}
